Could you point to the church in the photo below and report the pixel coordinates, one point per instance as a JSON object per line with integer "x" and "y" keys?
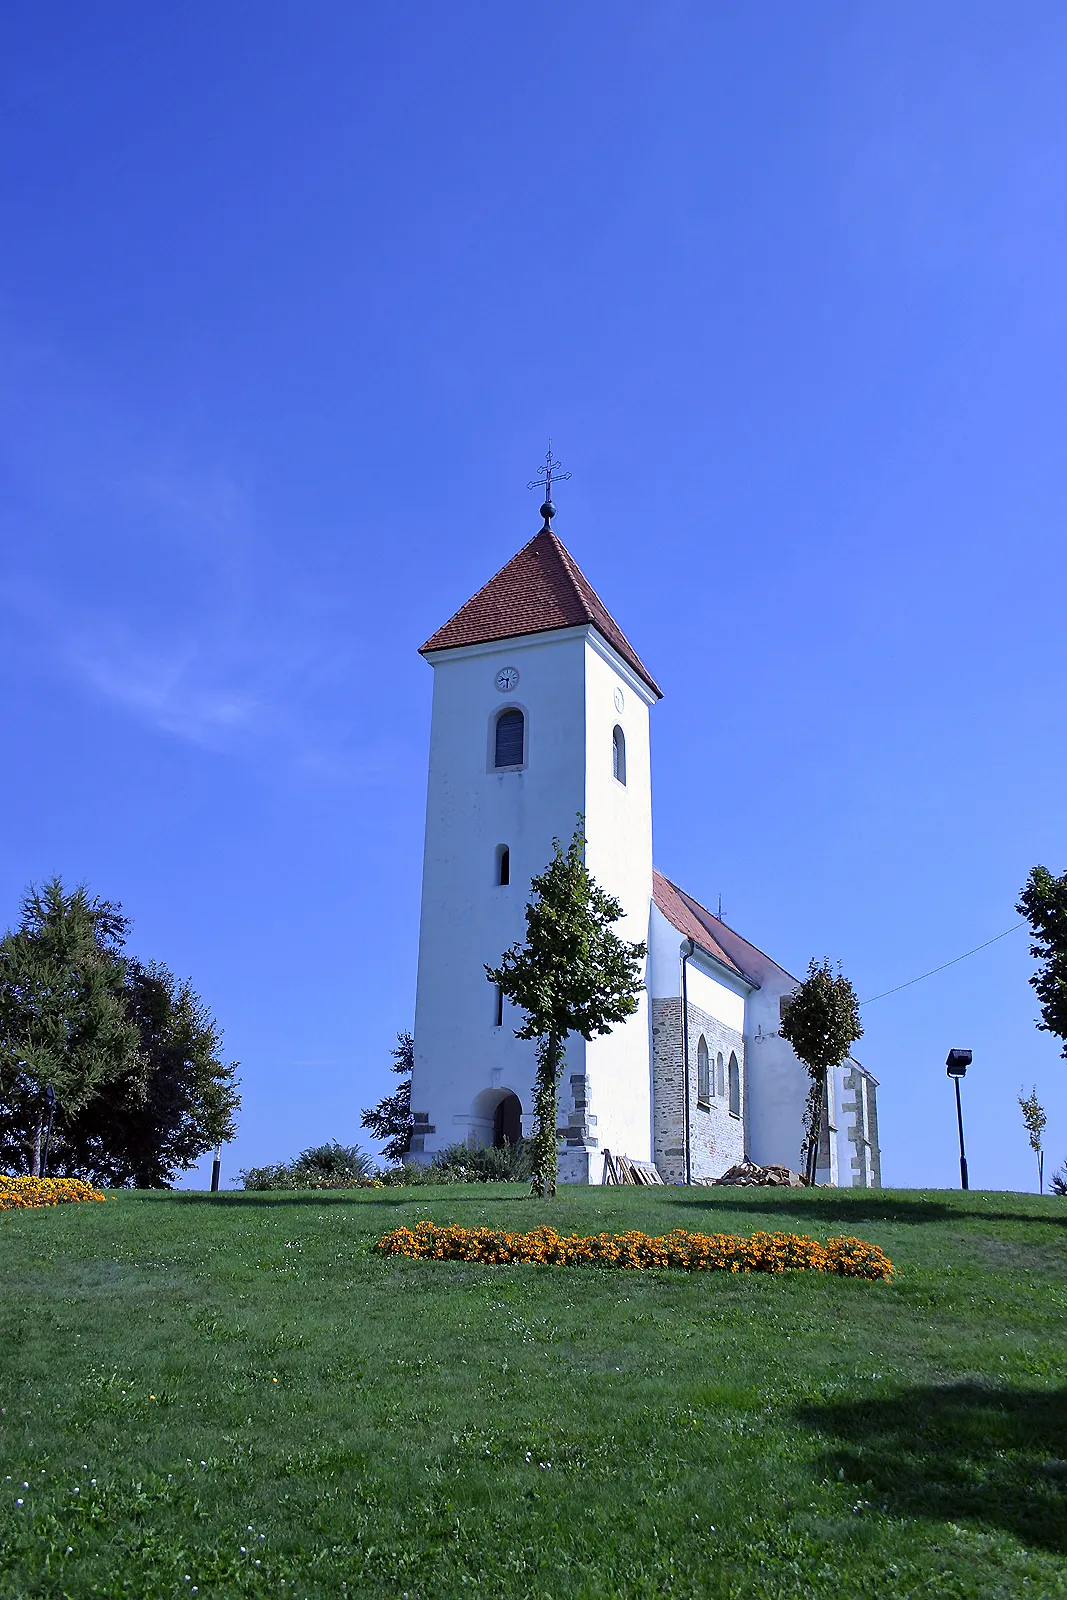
{"x": 541, "y": 712}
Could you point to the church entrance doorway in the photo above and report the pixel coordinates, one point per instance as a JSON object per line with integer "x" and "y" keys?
{"x": 507, "y": 1121}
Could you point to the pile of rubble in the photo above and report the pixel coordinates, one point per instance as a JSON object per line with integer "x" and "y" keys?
{"x": 748, "y": 1175}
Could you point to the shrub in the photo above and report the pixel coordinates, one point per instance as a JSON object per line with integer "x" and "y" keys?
{"x": 694, "y": 1252}
{"x": 324, "y": 1166}
{"x": 462, "y": 1163}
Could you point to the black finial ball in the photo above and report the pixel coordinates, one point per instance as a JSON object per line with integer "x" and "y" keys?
{"x": 548, "y": 511}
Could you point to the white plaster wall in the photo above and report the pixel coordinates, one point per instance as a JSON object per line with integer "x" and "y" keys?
{"x": 777, "y": 1083}
{"x": 619, "y": 855}
{"x": 467, "y": 918}
{"x": 714, "y": 997}
{"x": 566, "y": 689}
{"x": 709, "y": 986}
{"x": 664, "y": 955}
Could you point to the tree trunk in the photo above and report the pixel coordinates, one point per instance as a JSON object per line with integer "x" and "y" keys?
{"x": 546, "y": 1107}
{"x": 815, "y": 1134}
{"x": 38, "y": 1139}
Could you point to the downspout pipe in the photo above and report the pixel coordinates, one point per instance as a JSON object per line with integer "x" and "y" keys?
{"x": 686, "y": 954}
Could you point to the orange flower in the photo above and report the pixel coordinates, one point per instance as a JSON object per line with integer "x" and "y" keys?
{"x": 692, "y": 1252}
{"x": 23, "y": 1193}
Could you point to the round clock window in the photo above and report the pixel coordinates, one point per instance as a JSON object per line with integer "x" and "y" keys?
{"x": 507, "y": 679}
{"x": 619, "y": 700}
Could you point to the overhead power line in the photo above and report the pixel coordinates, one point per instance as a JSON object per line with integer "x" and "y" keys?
{"x": 943, "y": 965}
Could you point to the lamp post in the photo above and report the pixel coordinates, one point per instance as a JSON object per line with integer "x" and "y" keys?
{"x": 957, "y": 1063}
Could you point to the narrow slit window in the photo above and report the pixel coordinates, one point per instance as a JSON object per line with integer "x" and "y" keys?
{"x": 503, "y": 865}
{"x": 735, "y": 1086}
{"x": 499, "y": 1004}
{"x": 618, "y": 754}
{"x": 510, "y": 744}
{"x": 720, "y": 1073}
{"x": 703, "y": 1072}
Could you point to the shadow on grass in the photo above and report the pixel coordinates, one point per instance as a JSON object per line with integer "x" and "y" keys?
{"x": 399, "y": 1196}
{"x": 841, "y": 1207}
{"x": 963, "y": 1452}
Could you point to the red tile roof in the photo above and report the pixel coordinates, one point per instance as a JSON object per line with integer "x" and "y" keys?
{"x": 540, "y": 589}
{"x": 690, "y": 919}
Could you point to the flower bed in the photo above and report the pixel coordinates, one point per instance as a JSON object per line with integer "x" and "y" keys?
{"x": 20, "y": 1193}
{"x": 693, "y": 1252}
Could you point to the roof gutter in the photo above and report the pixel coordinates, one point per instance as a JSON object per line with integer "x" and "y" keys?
{"x": 686, "y": 956}
{"x": 734, "y": 973}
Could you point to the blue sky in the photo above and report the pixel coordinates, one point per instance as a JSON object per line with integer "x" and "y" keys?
{"x": 291, "y": 300}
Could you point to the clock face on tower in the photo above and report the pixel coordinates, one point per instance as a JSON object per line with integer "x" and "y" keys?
{"x": 507, "y": 679}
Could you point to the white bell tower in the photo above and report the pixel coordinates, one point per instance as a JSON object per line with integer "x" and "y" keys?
{"x": 540, "y": 712}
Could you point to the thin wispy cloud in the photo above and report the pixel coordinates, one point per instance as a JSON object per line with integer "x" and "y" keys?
{"x": 140, "y": 575}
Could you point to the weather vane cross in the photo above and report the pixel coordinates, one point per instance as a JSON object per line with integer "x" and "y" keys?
{"x": 549, "y": 472}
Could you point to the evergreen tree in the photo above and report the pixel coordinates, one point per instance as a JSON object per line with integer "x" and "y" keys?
{"x": 63, "y": 1024}
{"x": 573, "y": 975}
{"x": 822, "y": 1023}
{"x": 391, "y": 1119}
{"x": 1044, "y": 905}
{"x": 177, "y": 1102}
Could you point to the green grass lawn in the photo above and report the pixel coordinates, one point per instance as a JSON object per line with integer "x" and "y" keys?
{"x": 232, "y": 1396}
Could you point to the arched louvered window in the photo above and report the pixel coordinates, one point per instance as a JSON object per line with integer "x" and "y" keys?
{"x": 618, "y": 754}
{"x": 503, "y": 864}
{"x": 735, "y": 1086}
{"x": 510, "y": 745}
{"x": 720, "y": 1074}
{"x": 703, "y": 1072}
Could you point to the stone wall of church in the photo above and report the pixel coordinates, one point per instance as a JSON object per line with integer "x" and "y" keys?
{"x": 862, "y": 1128}
{"x": 717, "y": 1138}
{"x": 576, "y": 1134}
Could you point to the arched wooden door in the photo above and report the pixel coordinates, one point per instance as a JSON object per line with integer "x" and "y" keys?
{"x": 507, "y": 1121}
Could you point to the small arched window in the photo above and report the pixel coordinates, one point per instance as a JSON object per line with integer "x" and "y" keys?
{"x": 735, "y": 1086}
{"x": 703, "y": 1072}
{"x": 720, "y": 1073}
{"x": 503, "y": 864}
{"x": 618, "y": 754}
{"x": 509, "y": 747}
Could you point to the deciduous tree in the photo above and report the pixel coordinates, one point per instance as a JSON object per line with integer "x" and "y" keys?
{"x": 573, "y": 974}
{"x": 177, "y": 1102}
{"x": 822, "y": 1023}
{"x": 1034, "y": 1120}
{"x": 1044, "y": 905}
{"x": 63, "y": 1022}
{"x": 133, "y": 1056}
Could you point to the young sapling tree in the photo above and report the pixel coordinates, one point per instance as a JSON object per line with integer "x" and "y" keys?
{"x": 573, "y": 974}
{"x": 822, "y": 1023}
{"x": 1034, "y": 1120}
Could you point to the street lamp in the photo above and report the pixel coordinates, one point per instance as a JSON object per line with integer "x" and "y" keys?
{"x": 956, "y": 1065}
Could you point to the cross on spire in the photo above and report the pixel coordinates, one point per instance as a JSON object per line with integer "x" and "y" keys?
{"x": 544, "y": 479}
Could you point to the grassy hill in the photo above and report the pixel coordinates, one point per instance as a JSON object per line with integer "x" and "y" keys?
{"x": 231, "y": 1396}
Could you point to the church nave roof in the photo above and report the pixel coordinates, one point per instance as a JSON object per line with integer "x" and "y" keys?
{"x": 689, "y": 917}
